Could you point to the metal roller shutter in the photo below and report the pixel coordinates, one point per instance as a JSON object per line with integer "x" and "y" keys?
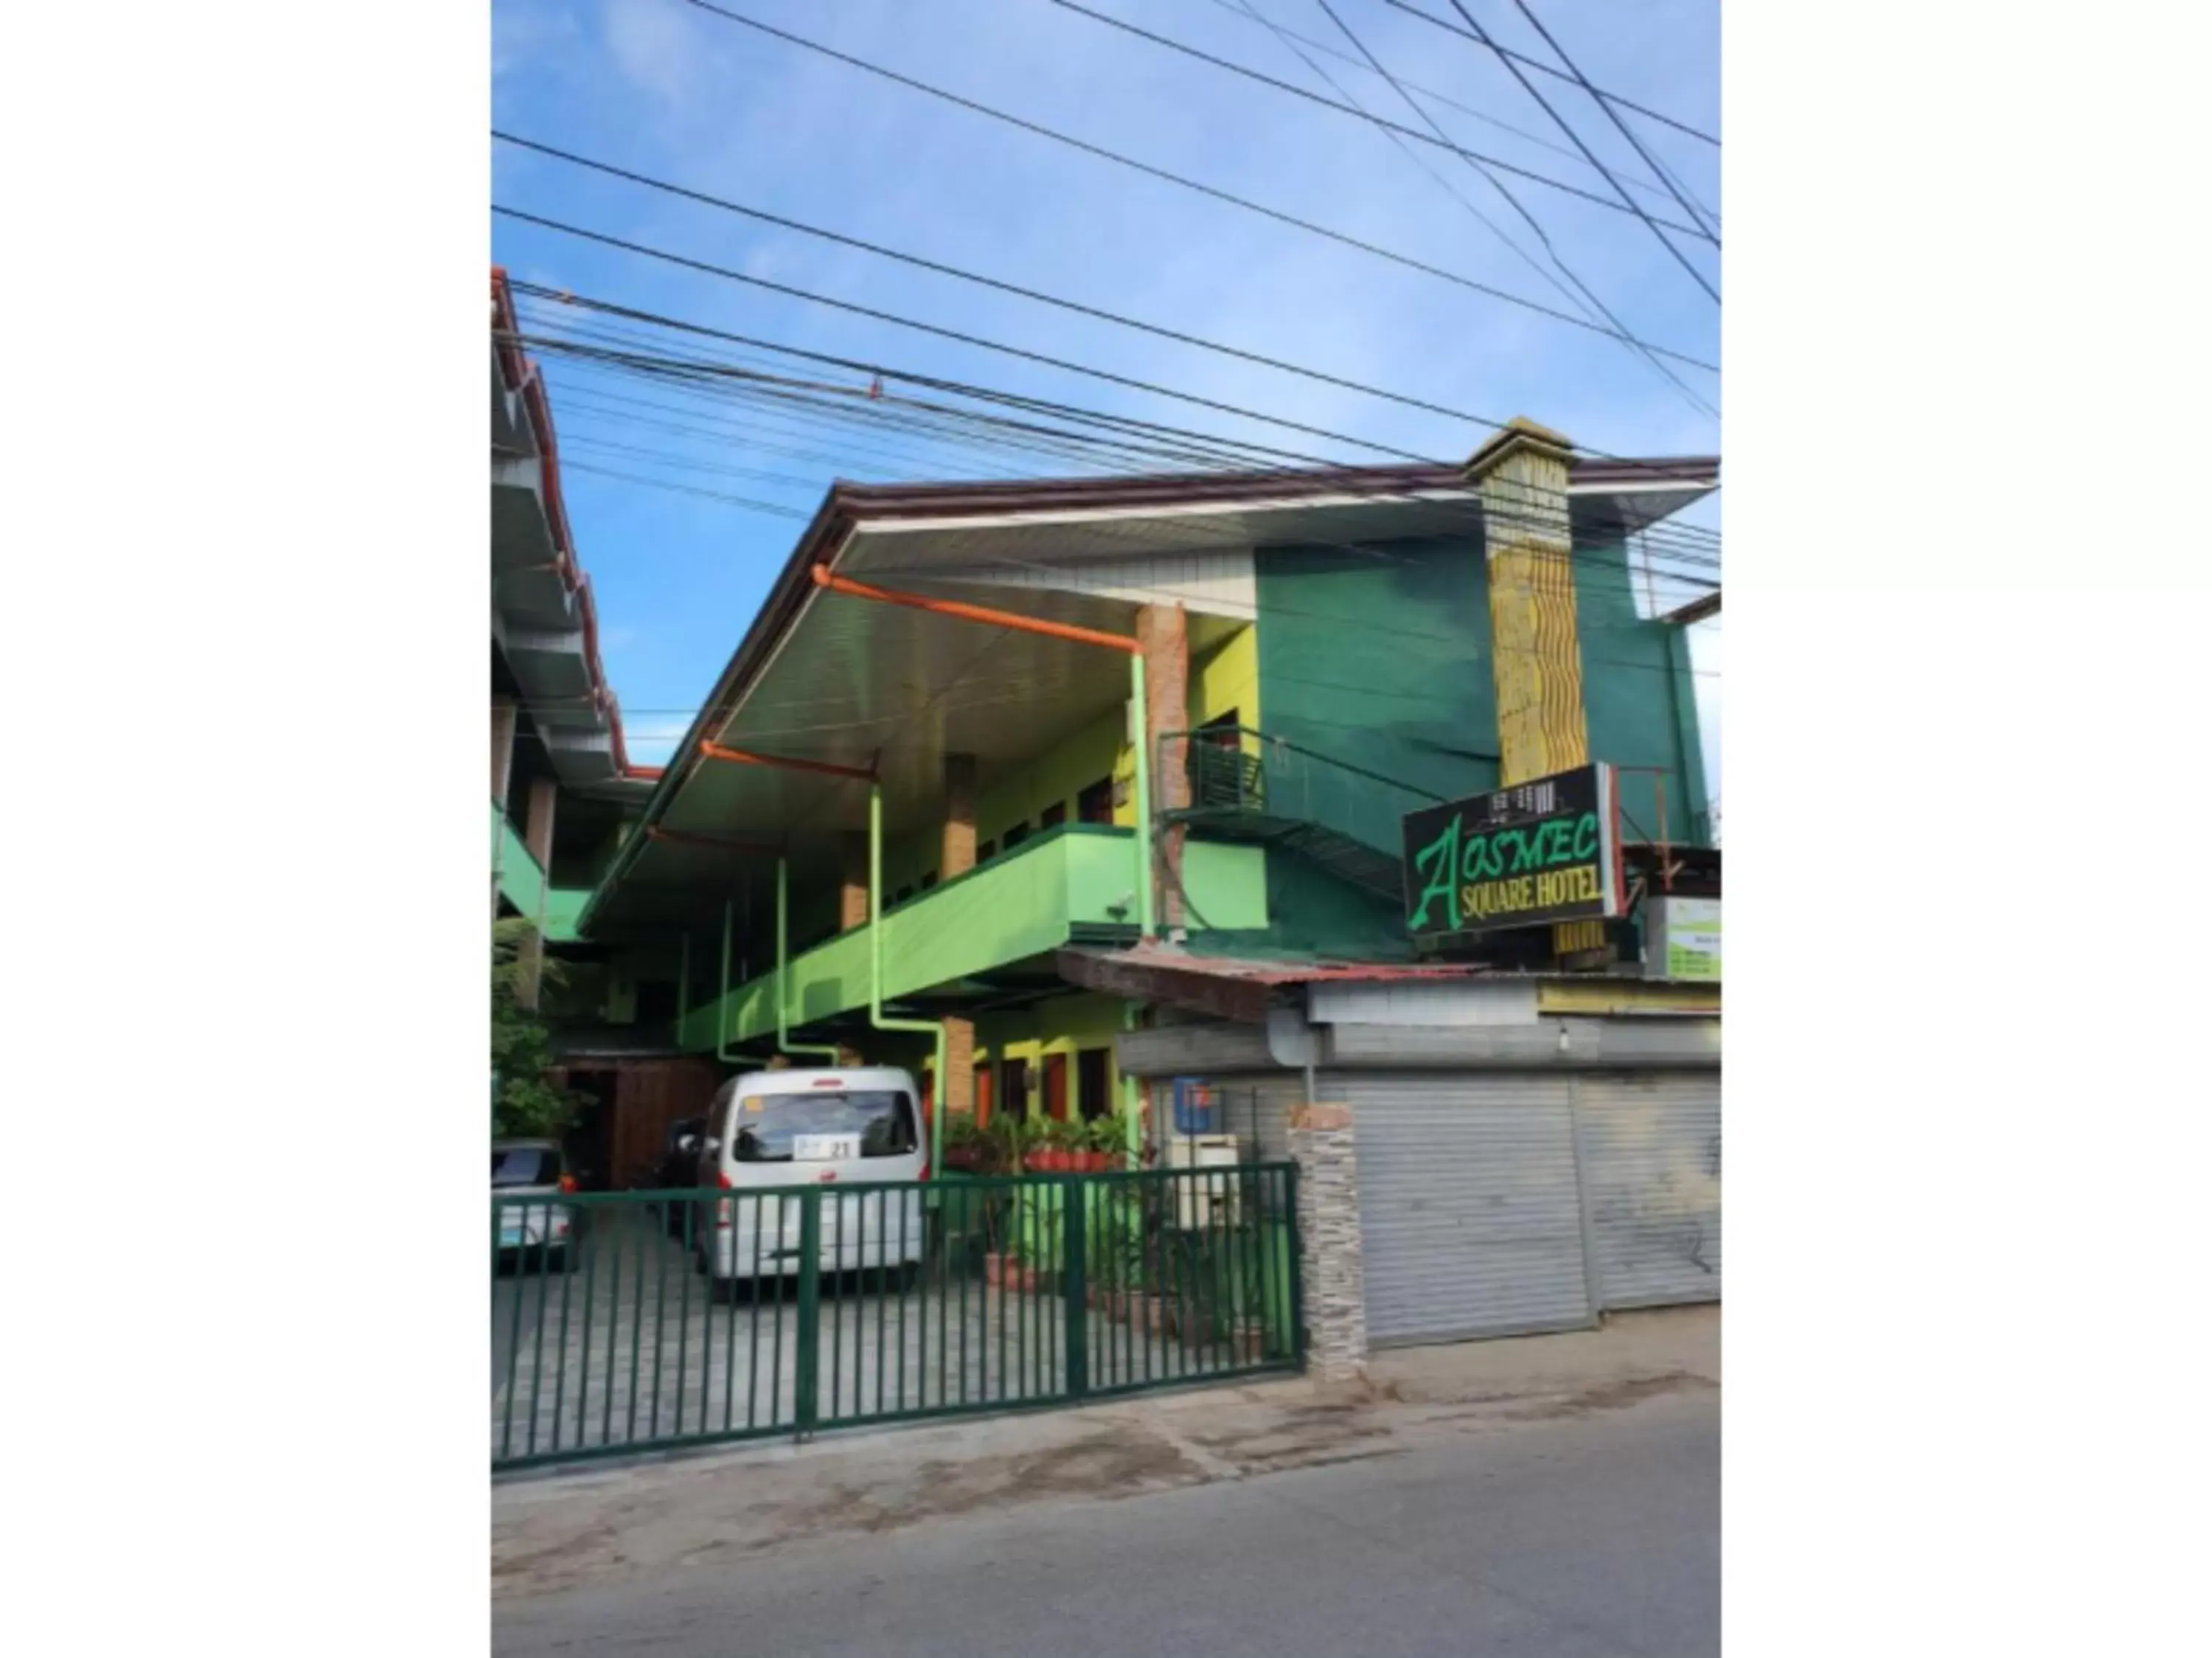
{"x": 1470, "y": 1216}
{"x": 1651, "y": 1160}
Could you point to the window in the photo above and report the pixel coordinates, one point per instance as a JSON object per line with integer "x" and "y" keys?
{"x": 768, "y": 1124}
{"x": 1016, "y": 835}
{"x": 1096, "y": 803}
{"x": 902, "y": 894}
{"x": 1053, "y": 815}
{"x": 986, "y": 852}
{"x": 929, "y": 880}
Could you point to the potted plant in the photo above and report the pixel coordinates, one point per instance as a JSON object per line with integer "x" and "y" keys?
{"x": 965, "y": 1147}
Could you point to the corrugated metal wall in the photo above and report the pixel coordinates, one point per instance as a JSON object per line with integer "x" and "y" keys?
{"x": 1651, "y": 1165}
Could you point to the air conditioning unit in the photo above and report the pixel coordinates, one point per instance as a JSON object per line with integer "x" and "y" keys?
{"x": 1202, "y": 1201}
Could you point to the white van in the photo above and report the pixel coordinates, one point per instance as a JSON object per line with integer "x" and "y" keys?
{"x": 779, "y": 1131}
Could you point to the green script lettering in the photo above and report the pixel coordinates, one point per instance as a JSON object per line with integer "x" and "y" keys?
{"x": 1586, "y": 836}
{"x": 1435, "y": 862}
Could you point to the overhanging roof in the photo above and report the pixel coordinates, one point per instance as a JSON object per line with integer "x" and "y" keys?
{"x": 826, "y": 677}
{"x": 544, "y": 623}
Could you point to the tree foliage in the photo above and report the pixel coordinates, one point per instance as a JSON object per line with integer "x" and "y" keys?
{"x": 525, "y": 1102}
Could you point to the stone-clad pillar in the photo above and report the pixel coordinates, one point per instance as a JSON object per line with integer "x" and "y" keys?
{"x": 1333, "y": 1273}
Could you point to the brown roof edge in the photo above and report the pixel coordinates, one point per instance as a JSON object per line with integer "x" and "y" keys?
{"x": 878, "y": 501}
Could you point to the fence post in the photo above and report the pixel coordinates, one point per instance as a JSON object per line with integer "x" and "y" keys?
{"x": 1075, "y": 1212}
{"x": 806, "y": 1403}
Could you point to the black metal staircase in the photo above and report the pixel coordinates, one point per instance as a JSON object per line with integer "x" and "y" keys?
{"x": 1231, "y": 798}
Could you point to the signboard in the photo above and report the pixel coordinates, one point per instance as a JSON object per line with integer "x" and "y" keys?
{"x": 1543, "y": 851}
{"x": 1682, "y": 940}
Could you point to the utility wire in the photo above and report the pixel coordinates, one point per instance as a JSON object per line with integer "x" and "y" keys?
{"x": 1546, "y": 69}
{"x": 1264, "y": 454}
{"x": 1612, "y": 114}
{"x": 1561, "y": 122}
{"x": 1048, "y": 360}
{"x": 1235, "y": 8}
{"x": 1514, "y": 201}
{"x": 1502, "y": 512}
{"x": 701, "y": 377}
{"x": 1076, "y": 307}
{"x": 977, "y": 340}
{"x": 709, "y": 372}
{"x": 1181, "y": 180}
{"x": 1238, "y": 69}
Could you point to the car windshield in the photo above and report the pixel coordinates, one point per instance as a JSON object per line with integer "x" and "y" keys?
{"x": 770, "y": 1126}
{"x": 524, "y": 1165}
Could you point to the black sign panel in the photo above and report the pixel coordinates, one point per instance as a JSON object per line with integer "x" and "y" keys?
{"x": 1540, "y": 851}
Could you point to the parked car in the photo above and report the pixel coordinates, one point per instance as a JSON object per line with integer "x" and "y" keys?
{"x": 775, "y": 1133}
{"x": 678, "y": 1169}
{"x": 539, "y": 1234}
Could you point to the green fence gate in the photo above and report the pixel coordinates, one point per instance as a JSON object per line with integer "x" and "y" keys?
{"x": 634, "y": 1322}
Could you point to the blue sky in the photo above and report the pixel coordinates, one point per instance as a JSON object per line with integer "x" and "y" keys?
{"x": 666, "y": 89}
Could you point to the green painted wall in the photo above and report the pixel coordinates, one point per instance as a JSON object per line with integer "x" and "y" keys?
{"x": 1641, "y": 699}
{"x": 1379, "y": 657}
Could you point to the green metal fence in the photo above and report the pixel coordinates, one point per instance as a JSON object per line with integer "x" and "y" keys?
{"x": 634, "y": 1322}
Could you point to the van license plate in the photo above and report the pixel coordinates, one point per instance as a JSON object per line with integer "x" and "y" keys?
{"x": 824, "y": 1147}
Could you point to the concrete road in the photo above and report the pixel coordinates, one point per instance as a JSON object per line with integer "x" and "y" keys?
{"x": 1577, "y": 1519}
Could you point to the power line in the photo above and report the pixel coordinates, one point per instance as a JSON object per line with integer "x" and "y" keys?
{"x": 1514, "y": 201}
{"x": 1691, "y": 553}
{"x": 1234, "y": 67}
{"x": 1263, "y": 452}
{"x": 681, "y": 374}
{"x": 1612, "y": 114}
{"x": 1187, "y": 183}
{"x": 706, "y": 378}
{"x": 750, "y": 505}
{"x": 1077, "y": 307}
{"x": 1560, "y": 121}
{"x": 1546, "y": 69}
{"x": 977, "y": 340}
{"x": 1235, "y": 8}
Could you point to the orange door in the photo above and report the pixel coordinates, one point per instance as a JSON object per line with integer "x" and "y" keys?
{"x": 1055, "y": 1086}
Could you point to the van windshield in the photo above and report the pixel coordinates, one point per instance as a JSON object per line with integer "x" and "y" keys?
{"x": 524, "y": 1165}
{"x": 777, "y": 1128}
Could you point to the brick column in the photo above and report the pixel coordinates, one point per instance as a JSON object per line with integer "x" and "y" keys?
{"x": 852, "y": 887}
{"x": 956, "y": 1090}
{"x": 1163, "y": 635}
{"x": 1333, "y": 1274}
{"x": 537, "y": 836}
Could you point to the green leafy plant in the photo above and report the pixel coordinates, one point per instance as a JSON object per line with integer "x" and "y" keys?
{"x": 524, "y": 1100}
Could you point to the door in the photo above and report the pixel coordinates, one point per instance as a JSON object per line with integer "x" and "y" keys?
{"x": 1651, "y": 1167}
{"x": 1470, "y": 1221}
{"x": 1055, "y": 1086}
{"x": 1093, "y": 1090}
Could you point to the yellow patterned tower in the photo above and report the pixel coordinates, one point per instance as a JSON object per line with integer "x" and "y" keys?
{"x": 1520, "y": 476}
